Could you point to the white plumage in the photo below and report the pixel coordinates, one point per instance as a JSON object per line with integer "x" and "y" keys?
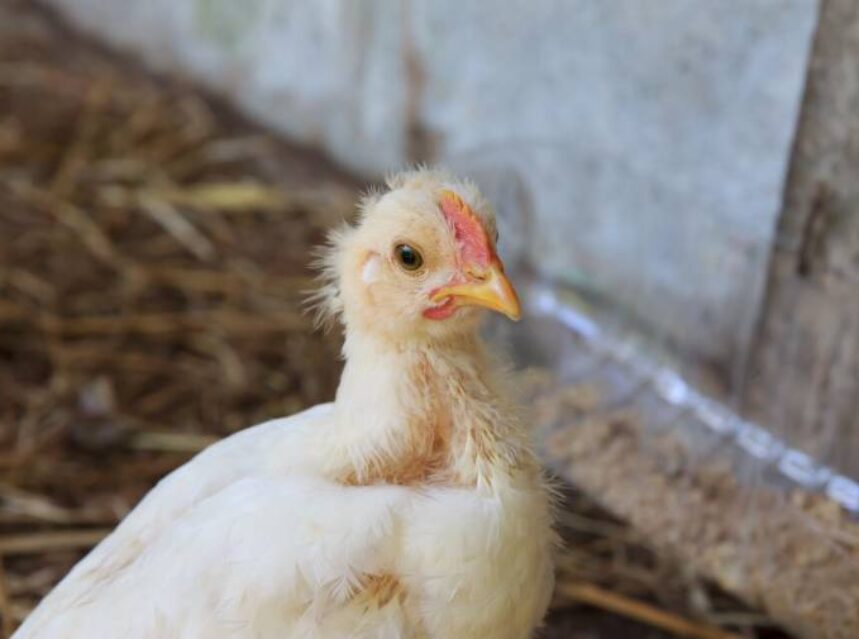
{"x": 410, "y": 508}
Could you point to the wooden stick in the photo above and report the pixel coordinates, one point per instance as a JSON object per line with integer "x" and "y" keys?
{"x": 641, "y": 612}
{"x": 8, "y": 623}
{"x": 41, "y": 542}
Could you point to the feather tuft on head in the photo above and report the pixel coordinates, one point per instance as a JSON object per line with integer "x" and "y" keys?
{"x": 324, "y": 301}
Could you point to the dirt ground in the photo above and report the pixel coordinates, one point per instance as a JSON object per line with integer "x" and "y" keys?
{"x": 153, "y": 252}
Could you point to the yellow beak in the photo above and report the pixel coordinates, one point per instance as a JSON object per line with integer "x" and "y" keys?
{"x": 490, "y": 289}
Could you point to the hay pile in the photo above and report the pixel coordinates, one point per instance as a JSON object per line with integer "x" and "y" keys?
{"x": 153, "y": 260}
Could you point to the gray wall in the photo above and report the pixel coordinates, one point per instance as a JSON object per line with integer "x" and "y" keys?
{"x": 647, "y": 138}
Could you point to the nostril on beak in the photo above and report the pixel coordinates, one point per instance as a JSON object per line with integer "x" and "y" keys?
{"x": 479, "y": 276}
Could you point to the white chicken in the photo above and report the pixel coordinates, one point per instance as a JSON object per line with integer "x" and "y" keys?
{"x": 412, "y": 507}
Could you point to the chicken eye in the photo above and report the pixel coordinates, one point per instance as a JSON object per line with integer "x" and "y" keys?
{"x": 408, "y": 257}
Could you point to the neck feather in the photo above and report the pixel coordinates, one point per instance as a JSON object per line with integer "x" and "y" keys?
{"x": 422, "y": 413}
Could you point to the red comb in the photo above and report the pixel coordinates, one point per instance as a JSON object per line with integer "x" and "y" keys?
{"x": 474, "y": 245}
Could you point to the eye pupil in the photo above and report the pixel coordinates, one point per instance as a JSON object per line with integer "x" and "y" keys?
{"x": 408, "y": 257}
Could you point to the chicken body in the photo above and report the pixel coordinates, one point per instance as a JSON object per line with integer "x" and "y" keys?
{"x": 410, "y": 508}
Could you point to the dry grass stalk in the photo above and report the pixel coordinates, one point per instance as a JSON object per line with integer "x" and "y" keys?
{"x": 34, "y": 543}
{"x": 649, "y": 615}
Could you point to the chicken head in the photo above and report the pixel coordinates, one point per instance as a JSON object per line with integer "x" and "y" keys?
{"x": 420, "y": 262}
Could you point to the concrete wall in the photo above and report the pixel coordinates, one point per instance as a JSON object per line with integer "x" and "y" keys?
{"x": 646, "y": 141}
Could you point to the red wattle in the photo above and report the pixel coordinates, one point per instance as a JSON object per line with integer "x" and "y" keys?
{"x": 442, "y": 311}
